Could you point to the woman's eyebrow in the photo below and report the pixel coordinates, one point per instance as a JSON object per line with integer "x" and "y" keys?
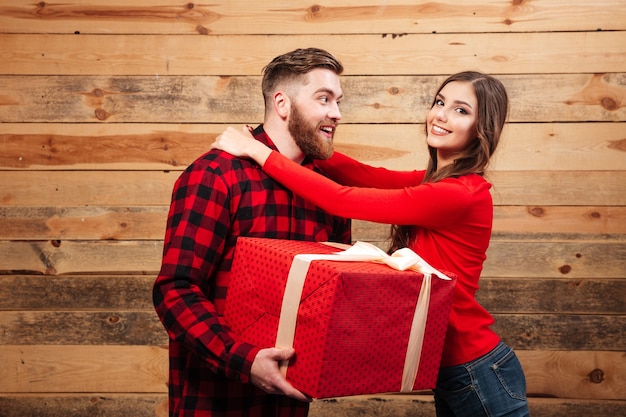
{"x": 456, "y": 101}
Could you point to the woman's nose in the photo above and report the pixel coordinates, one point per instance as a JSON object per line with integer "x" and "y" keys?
{"x": 441, "y": 114}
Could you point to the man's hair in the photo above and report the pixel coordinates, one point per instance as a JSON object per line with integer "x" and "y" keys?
{"x": 293, "y": 66}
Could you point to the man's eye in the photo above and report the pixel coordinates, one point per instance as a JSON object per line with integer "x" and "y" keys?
{"x": 324, "y": 99}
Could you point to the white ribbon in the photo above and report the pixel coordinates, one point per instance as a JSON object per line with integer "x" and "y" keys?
{"x": 401, "y": 260}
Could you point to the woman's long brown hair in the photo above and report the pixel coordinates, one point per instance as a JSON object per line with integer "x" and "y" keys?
{"x": 493, "y": 106}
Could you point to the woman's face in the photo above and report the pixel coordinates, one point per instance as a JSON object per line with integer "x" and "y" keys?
{"x": 451, "y": 122}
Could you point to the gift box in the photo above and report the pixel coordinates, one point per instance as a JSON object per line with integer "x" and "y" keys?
{"x": 358, "y": 326}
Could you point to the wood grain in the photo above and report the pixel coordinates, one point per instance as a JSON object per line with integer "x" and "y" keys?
{"x": 516, "y": 258}
{"x": 155, "y": 405}
{"x": 117, "y": 293}
{"x": 144, "y": 146}
{"x": 387, "y": 99}
{"x": 148, "y": 222}
{"x": 143, "y": 369}
{"x": 136, "y": 188}
{"x": 158, "y": 55}
{"x": 298, "y": 17}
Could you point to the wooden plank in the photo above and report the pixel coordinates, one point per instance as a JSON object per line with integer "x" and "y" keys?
{"x": 84, "y": 223}
{"x": 143, "y": 369}
{"x": 423, "y": 406}
{"x": 75, "y": 257}
{"x": 574, "y": 374}
{"x": 541, "y": 188}
{"x": 155, "y": 405}
{"x": 136, "y": 188}
{"x": 148, "y": 222}
{"x": 81, "y": 405}
{"x": 505, "y": 258}
{"x": 299, "y": 17}
{"x": 83, "y": 292}
{"x": 82, "y": 327}
{"x": 94, "y": 369}
{"x": 93, "y": 188}
{"x": 520, "y": 331}
{"x": 559, "y": 296}
{"x": 134, "y": 292}
{"x": 131, "y": 146}
{"x": 387, "y": 99}
{"x": 523, "y": 222}
{"x": 556, "y": 259}
{"x": 562, "y": 331}
{"x": 497, "y": 53}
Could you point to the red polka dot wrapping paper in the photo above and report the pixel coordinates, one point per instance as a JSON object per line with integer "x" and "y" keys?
{"x": 353, "y": 320}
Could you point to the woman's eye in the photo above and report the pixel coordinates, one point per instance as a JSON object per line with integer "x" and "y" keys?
{"x": 439, "y": 102}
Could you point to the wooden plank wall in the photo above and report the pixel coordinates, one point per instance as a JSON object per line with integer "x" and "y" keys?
{"x": 103, "y": 103}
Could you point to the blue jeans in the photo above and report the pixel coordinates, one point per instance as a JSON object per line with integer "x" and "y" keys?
{"x": 492, "y": 385}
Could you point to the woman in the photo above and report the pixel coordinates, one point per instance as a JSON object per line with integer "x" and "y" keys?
{"x": 444, "y": 214}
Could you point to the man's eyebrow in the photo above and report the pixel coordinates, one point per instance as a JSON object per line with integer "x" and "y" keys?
{"x": 328, "y": 91}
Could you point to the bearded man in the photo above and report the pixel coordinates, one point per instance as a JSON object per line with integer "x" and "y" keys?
{"x": 219, "y": 198}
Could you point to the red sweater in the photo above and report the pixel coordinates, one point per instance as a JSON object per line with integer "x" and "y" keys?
{"x": 452, "y": 220}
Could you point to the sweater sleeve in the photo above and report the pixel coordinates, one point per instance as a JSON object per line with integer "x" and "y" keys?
{"x": 427, "y": 205}
{"x": 348, "y": 171}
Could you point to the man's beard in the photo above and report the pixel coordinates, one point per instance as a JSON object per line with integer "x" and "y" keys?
{"x": 307, "y": 136}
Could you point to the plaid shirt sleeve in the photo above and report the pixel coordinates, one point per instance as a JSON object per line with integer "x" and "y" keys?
{"x": 194, "y": 247}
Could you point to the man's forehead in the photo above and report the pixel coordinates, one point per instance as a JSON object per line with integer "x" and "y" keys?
{"x": 324, "y": 80}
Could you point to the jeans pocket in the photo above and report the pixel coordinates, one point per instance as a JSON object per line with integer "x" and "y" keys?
{"x": 509, "y": 372}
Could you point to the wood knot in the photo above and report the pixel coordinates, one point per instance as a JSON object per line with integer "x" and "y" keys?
{"x": 190, "y": 6}
{"x": 101, "y": 114}
{"x": 536, "y": 211}
{"x": 596, "y": 376}
{"x": 595, "y": 215}
{"x": 41, "y": 4}
{"x": 394, "y": 90}
{"x": 609, "y": 104}
{"x": 508, "y": 22}
{"x": 97, "y": 92}
{"x": 55, "y": 243}
{"x": 202, "y": 30}
{"x": 565, "y": 269}
{"x": 314, "y": 9}
{"x": 113, "y": 319}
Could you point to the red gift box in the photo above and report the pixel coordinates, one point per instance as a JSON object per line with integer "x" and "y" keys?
{"x": 352, "y": 321}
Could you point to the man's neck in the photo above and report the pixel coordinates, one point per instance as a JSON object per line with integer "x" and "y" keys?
{"x": 284, "y": 142}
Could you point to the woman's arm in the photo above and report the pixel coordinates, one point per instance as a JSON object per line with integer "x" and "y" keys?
{"x": 428, "y": 205}
{"x": 349, "y": 171}
{"x": 339, "y": 167}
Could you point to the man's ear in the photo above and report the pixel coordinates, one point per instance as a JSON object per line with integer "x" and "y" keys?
{"x": 282, "y": 104}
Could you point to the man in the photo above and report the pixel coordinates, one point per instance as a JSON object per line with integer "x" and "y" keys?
{"x": 219, "y": 198}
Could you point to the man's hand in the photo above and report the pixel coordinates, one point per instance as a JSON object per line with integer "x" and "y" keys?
{"x": 265, "y": 373}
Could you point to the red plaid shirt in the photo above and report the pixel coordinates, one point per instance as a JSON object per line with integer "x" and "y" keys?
{"x": 217, "y": 199}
